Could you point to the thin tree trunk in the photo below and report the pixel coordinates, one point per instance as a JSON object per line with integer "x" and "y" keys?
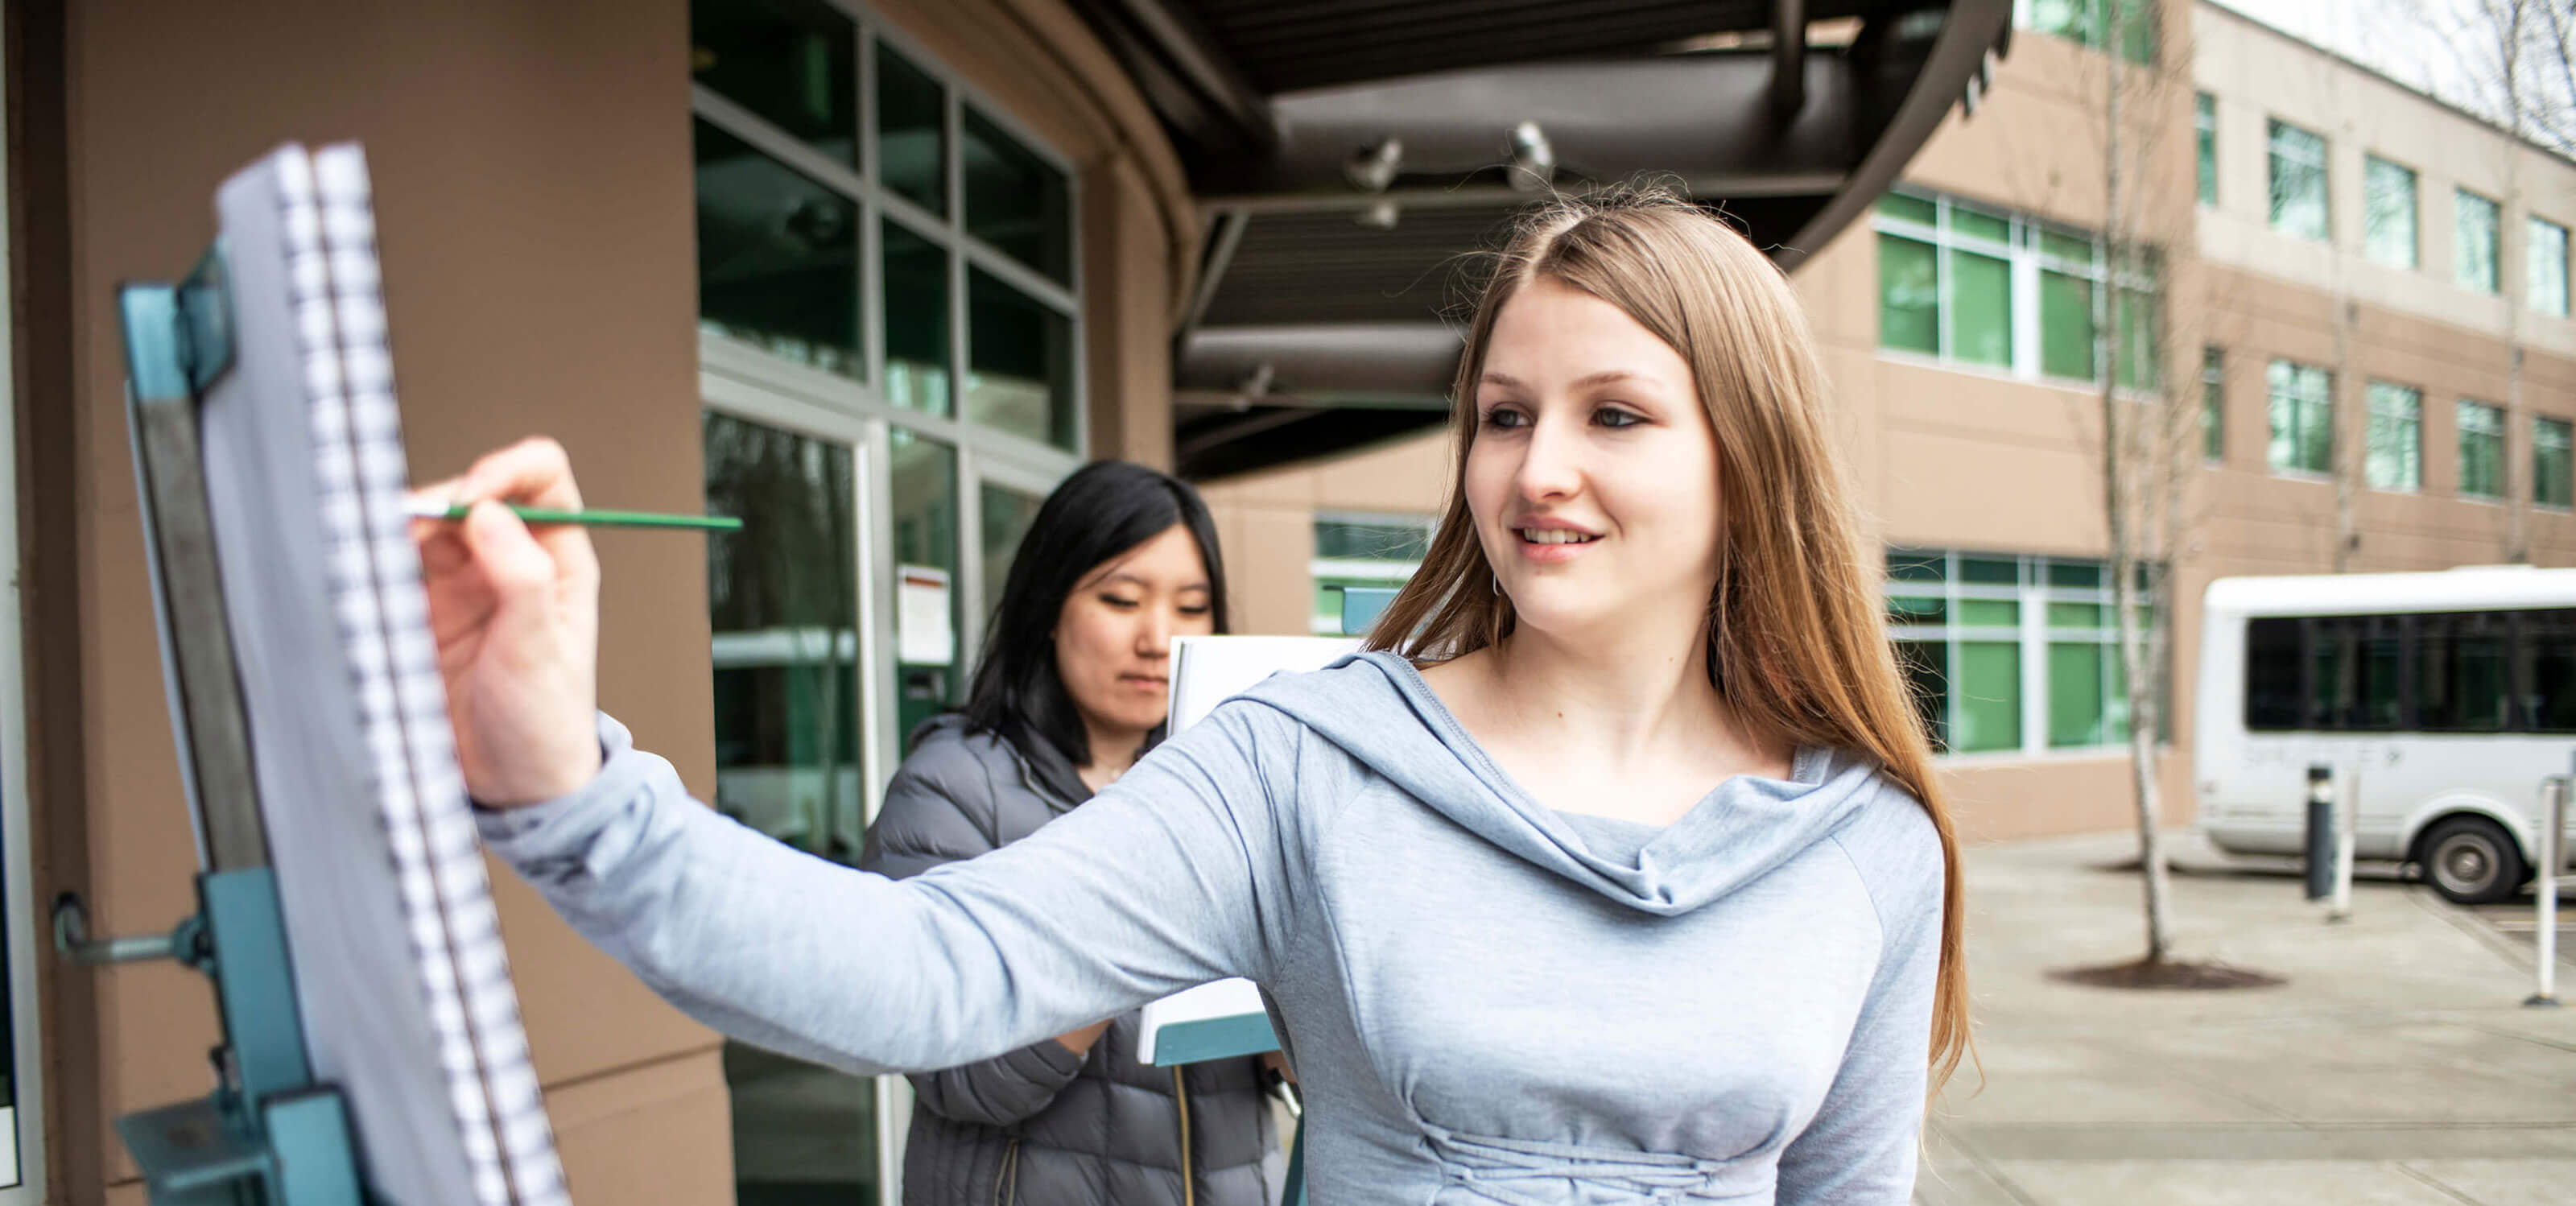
{"x": 2517, "y": 514}
{"x": 2341, "y": 448}
{"x": 2118, "y": 254}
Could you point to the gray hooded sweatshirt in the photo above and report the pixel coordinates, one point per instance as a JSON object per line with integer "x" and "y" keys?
{"x": 1486, "y": 1001}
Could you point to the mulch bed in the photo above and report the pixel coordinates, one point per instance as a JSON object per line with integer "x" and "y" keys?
{"x": 2167, "y": 974}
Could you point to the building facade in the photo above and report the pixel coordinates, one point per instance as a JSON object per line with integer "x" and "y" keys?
{"x": 873, "y": 274}
{"x": 2363, "y": 329}
{"x": 879, "y": 274}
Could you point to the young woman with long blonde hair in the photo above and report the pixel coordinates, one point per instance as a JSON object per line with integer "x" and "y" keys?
{"x": 1615, "y": 873}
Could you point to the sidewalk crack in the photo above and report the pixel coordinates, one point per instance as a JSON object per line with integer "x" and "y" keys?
{"x": 2436, "y": 1185}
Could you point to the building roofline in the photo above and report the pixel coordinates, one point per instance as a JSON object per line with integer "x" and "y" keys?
{"x": 2392, "y": 81}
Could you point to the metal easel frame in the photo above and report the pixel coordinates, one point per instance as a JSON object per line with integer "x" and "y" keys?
{"x": 268, "y": 1135}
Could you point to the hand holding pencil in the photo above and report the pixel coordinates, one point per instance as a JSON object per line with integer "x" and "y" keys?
{"x": 515, "y": 610}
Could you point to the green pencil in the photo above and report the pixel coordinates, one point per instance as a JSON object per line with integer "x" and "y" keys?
{"x": 593, "y": 517}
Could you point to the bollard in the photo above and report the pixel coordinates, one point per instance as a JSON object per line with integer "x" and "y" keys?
{"x": 2549, "y": 846}
{"x": 2347, "y": 831}
{"x": 2321, "y": 826}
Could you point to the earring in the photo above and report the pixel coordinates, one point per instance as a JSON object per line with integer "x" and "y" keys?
{"x": 1496, "y": 581}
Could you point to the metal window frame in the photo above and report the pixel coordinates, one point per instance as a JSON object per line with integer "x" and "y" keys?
{"x": 2565, "y": 446}
{"x": 2489, "y": 429}
{"x": 17, "y": 865}
{"x": 2298, "y": 156}
{"x": 2031, "y": 634}
{"x": 2401, "y": 406}
{"x": 2534, "y": 224}
{"x": 2213, "y": 403}
{"x": 2204, "y": 125}
{"x": 2308, "y": 409}
{"x": 740, "y": 379}
{"x": 2494, "y": 241}
{"x": 2026, "y": 257}
{"x": 2373, "y": 161}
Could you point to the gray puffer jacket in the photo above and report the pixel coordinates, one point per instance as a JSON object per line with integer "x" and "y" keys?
{"x": 1041, "y": 1125}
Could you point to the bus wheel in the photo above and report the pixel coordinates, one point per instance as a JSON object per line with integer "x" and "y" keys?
{"x": 2472, "y": 860}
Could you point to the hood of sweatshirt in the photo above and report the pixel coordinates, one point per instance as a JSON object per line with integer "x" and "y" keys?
{"x": 1377, "y": 708}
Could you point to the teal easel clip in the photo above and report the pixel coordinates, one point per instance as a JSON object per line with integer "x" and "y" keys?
{"x": 269, "y": 1134}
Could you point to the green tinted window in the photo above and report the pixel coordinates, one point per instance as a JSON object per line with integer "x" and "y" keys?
{"x": 2065, "y": 326}
{"x": 1980, "y": 309}
{"x": 912, "y": 131}
{"x": 1909, "y": 291}
{"x": 790, "y": 63}
{"x": 1911, "y": 209}
{"x": 778, "y": 256}
{"x": 1989, "y": 704}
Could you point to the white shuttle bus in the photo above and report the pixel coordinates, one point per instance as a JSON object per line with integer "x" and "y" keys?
{"x": 2452, "y": 694}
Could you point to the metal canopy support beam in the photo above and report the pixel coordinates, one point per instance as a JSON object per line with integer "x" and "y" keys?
{"x": 1703, "y": 116}
{"x": 1788, "y": 59}
{"x": 1225, "y": 233}
{"x": 1414, "y": 360}
{"x": 1187, "y": 79}
{"x": 1969, "y": 32}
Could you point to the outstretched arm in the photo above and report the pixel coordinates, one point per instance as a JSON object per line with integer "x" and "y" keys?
{"x": 1151, "y": 887}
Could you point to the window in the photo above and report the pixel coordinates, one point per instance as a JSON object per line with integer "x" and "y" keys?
{"x": 2298, "y": 182}
{"x": 2213, "y": 404}
{"x": 2091, "y": 23}
{"x": 2473, "y": 252}
{"x": 2549, "y": 462}
{"x": 782, "y": 601}
{"x": 1378, "y": 551}
{"x": 2008, "y": 653}
{"x": 2439, "y": 672}
{"x": 2481, "y": 450}
{"x": 794, "y": 66}
{"x": 2302, "y": 412}
{"x": 2204, "y": 121}
{"x": 890, "y": 318}
{"x": 2545, "y": 284}
{"x": 1955, "y": 282}
{"x": 2393, "y": 459}
{"x": 778, "y": 257}
{"x": 2388, "y": 213}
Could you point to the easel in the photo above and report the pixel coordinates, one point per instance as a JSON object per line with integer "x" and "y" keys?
{"x": 268, "y": 1135}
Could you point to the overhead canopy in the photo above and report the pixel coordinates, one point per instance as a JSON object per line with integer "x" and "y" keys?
{"x": 1351, "y": 155}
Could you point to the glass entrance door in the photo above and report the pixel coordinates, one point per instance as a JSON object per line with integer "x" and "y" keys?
{"x": 784, "y": 603}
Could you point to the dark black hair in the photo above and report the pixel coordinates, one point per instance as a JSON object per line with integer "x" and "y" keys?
{"x": 1105, "y": 509}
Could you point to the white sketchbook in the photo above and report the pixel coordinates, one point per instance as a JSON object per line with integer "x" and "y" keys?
{"x": 400, "y": 975}
{"x": 1226, "y": 1018}
{"x": 1208, "y": 670}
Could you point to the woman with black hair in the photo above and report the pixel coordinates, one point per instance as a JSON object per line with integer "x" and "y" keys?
{"x": 1072, "y": 689}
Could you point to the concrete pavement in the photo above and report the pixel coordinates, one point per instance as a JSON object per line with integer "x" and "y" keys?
{"x": 2397, "y": 1065}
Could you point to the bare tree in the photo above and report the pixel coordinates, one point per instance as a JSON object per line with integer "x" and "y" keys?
{"x": 2149, "y": 428}
{"x": 2512, "y": 62}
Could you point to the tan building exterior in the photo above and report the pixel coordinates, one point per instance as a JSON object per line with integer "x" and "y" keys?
{"x": 532, "y": 167}
{"x": 874, "y": 274}
{"x": 1980, "y": 449}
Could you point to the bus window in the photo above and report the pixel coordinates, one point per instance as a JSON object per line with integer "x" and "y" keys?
{"x": 2329, "y": 695}
{"x": 2549, "y": 658}
{"x": 2460, "y": 672}
{"x": 2377, "y": 693}
{"x": 2272, "y": 678}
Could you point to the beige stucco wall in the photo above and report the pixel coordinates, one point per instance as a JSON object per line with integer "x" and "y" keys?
{"x": 534, "y": 191}
{"x": 2257, "y": 74}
